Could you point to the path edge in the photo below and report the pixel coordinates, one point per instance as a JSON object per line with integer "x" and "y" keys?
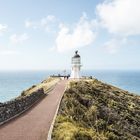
{"x": 37, "y": 101}
{"x": 49, "y": 135}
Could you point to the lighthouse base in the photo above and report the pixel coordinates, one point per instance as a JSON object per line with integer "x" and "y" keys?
{"x": 75, "y": 73}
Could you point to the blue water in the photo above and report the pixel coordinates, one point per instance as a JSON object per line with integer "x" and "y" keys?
{"x": 14, "y": 82}
{"x": 127, "y": 80}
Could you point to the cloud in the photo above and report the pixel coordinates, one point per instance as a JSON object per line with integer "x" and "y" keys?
{"x": 3, "y": 28}
{"x": 113, "y": 46}
{"x": 8, "y": 52}
{"x": 52, "y": 49}
{"x": 30, "y": 24}
{"x": 81, "y": 35}
{"x": 46, "y": 23}
{"x": 46, "y": 20}
{"x": 120, "y": 17}
{"x": 18, "y": 39}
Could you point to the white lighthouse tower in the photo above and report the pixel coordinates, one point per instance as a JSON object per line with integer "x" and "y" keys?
{"x": 76, "y": 65}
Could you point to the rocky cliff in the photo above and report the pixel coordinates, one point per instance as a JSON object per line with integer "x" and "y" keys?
{"x": 92, "y": 110}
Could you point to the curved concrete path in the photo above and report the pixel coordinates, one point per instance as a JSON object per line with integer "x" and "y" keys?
{"x": 35, "y": 123}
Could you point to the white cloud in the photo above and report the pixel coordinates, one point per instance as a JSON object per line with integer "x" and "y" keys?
{"x": 46, "y": 23}
{"x": 8, "y": 52}
{"x": 49, "y": 18}
{"x": 31, "y": 24}
{"x": 28, "y": 24}
{"x": 52, "y": 49}
{"x": 3, "y": 28}
{"x": 17, "y": 39}
{"x": 81, "y": 35}
{"x": 113, "y": 46}
{"x": 120, "y": 16}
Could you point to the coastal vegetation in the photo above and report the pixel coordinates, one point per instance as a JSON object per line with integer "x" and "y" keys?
{"x": 93, "y": 110}
{"x": 46, "y": 85}
{"x": 29, "y": 97}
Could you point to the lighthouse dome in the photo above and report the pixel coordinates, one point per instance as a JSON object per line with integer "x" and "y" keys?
{"x": 76, "y": 55}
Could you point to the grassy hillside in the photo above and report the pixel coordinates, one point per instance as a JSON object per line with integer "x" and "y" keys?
{"x": 46, "y": 85}
{"x": 92, "y": 110}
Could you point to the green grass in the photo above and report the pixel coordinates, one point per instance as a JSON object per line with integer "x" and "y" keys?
{"x": 92, "y": 110}
{"x": 46, "y": 84}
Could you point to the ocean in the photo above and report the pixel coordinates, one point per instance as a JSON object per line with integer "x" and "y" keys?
{"x": 14, "y": 82}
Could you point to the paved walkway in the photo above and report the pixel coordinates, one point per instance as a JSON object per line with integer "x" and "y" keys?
{"x": 35, "y": 123}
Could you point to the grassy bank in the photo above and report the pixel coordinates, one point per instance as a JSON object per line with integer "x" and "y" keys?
{"x": 46, "y": 85}
{"x": 26, "y": 100}
{"x": 92, "y": 110}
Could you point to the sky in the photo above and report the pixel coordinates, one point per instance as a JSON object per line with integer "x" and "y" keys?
{"x": 44, "y": 34}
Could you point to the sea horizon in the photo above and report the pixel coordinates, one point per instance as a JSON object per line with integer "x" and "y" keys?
{"x": 12, "y": 83}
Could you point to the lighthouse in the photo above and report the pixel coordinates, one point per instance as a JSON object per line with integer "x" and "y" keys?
{"x": 76, "y": 65}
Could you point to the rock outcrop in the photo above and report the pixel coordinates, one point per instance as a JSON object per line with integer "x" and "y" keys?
{"x": 29, "y": 97}
{"x": 11, "y": 108}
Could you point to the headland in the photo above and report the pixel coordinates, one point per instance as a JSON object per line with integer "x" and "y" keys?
{"x": 84, "y": 109}
{"x": 93, "y": 110}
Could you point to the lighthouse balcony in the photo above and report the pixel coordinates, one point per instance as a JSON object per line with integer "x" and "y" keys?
{"x": 76, "y": 65}
{"x": 77, "y": 60}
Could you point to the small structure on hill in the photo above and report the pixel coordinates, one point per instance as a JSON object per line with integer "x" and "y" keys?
{"x": 76, "y": 66}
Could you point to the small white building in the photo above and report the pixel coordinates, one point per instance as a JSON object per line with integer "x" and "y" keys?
{"x": 76, "y": 66}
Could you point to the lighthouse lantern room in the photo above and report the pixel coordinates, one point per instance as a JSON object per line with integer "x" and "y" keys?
{"x": 76, "y": 65}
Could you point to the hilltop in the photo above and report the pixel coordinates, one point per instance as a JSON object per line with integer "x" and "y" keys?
{"x": 93, "y": 110}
